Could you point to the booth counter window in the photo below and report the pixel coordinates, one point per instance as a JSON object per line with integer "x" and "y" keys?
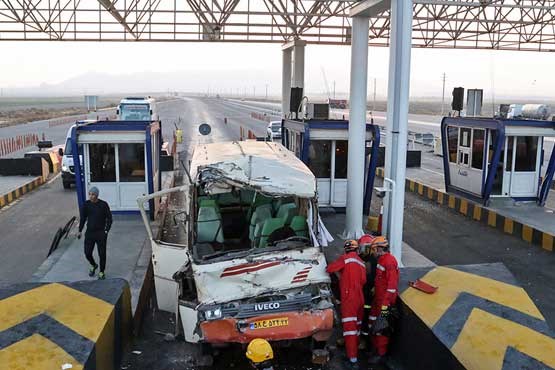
{"x": 526, "y": 153}
{"x": 319, "y": 158}
{"x": 102, "y": 162}
{"x": 478, "y": 137}
{"x": 131, "y": 162}
{"x": 341, "y": 152}
{"x": 452, "y": 141}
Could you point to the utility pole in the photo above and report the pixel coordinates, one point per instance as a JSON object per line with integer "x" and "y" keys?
{"x": 334, "y": 89}
{"x": 253, "y": 91}
{"x": 443, "y": 78}
{"x": 266, "y": 91}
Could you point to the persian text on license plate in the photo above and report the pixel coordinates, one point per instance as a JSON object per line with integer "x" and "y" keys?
{"x": 271, "y": 323}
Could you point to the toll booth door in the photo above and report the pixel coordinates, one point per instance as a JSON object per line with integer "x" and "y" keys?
{"x": 522, "y": 166}
{"x": 100, "y": 167}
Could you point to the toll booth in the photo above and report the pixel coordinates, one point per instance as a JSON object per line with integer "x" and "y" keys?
{"x": 120, "y": 158}
{"x": 487, "y": 158}
{"x": 323, "y": 146}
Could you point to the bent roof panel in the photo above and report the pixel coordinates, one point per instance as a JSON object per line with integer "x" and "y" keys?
{"x": 265, "y": 166}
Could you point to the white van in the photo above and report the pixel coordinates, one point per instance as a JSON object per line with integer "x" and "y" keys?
{"x": 137, "y": 109}
{"x": 68, "y": 169}
{"x": 249, "y": 262}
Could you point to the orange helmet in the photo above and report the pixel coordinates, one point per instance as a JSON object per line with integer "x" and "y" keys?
{"x": 350, "y": 245}
{"x": 380, "y": 242}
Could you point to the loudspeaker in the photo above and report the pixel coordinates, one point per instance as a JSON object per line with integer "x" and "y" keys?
{"x": 296, "y": 98}
{"x": 458, "y": 99}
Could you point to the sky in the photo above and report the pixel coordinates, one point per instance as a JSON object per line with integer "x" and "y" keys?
{"x": 223, "y": 67}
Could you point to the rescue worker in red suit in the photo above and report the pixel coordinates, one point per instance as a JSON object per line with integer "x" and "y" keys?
{"x": 351, "y": 284}
{"x": 385, "y": 294}
{"x": 370, "y": 260}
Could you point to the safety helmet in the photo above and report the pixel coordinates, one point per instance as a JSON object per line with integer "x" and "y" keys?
{"x": 259, "y": 350}
{"x": 380, "y": 242}
{"x": 350, "y": 245}
{"x": 365, "y": 243}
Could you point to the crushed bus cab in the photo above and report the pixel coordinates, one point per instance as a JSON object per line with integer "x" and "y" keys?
{"x": 249, "y": 261}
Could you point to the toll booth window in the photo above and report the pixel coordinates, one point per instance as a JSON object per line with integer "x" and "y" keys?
{"x": 464, "y": 138}
{"x": 341, "y": 151}
{"x": 526, "y": 153}
{"x": 319, "y": 157}
{"x": 102, "y": 161}
{"x": 478, "y": 149}
{"x": 452, "y": 142}
{"x": 509, "y": 163}
{"x": 131, "y": 162}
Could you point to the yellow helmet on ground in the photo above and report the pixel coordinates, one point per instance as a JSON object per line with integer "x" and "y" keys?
{"x": 259, "y": 350}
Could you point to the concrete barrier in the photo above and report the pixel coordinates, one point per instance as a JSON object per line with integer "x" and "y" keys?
{"x": 50, "y": 157}
{"x": 36, "y": 166}
{"x": 86, "y": 324}
{"x": 479, "y": 318}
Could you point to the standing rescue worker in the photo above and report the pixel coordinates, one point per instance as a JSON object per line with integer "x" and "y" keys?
{"x": 98, "y": 216}
{"x": 385, "y": 294}
{"x": 368, "y": 255}
{"x": 351, "y": 284}
{"x": 260, "y": 354}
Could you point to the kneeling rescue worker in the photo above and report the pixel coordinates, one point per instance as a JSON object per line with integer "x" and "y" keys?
{"x": 260, "y": 354}
{"x": 351, "y": 283}
{"x": 385, "y": 294}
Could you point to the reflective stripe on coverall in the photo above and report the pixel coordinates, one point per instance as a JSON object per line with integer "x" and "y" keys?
{"x": 351, "y": 283}
{"x": 385, "y": 294}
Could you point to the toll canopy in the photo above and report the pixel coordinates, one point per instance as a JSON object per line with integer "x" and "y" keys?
{"x": 120, "y": 158}
{"x": 497, "y": 158}
{"x": 323, "y": 146}
{"x": 264, "y": 166}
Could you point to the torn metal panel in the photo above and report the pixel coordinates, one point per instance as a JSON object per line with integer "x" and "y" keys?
{"x": 263, "y": 166}
{"x": 250, "y": 277}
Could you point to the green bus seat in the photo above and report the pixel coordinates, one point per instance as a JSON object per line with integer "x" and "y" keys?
{"x": 299, "y": 226}
{"x": 269, "y": 227}
{"x": 209, "y": 225}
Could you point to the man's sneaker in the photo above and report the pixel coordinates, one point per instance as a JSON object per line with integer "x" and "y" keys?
{"x": 92, "y": 270}
{"x": 101, "y": 276}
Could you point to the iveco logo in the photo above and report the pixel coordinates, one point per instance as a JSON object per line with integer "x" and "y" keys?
{"x": 266, "y": 306}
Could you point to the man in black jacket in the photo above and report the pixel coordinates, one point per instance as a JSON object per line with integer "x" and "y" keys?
{"x": 98, "y": 216}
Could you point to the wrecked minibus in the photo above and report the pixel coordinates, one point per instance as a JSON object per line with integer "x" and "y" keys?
{"x": 249, "y": 261}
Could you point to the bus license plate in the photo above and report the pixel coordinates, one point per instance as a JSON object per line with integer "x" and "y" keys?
{"x": 268, "y": 324}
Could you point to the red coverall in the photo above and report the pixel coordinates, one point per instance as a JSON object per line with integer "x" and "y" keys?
{"x": 385, "y": 294}
{"x": 351, "y": 283}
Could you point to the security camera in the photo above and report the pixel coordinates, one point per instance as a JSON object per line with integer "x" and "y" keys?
{"x": 381, "y": 191}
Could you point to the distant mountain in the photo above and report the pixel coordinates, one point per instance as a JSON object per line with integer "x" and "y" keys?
{"x": 187, "y": 81}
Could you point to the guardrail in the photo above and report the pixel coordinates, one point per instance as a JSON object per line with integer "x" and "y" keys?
{"x": 13, "y": 144}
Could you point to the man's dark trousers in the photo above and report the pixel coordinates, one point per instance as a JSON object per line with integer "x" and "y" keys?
{"x": 98, "y": 238}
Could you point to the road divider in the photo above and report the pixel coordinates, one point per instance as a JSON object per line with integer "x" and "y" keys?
{"x": 261, "y": 116}
{"x": 11, "y": 196}
{"x": 16, "y": 143}
{"x": 479, "y": 213}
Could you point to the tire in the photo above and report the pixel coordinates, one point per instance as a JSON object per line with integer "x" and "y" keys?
{"x": 66, "y": 185}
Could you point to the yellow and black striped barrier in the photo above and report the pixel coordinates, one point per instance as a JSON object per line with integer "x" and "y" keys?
{"x": 478, "y": 319}
{"x": 10, "y": 197}
{"x": 481, "y": 214}
{"x": 45, "y": 326}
